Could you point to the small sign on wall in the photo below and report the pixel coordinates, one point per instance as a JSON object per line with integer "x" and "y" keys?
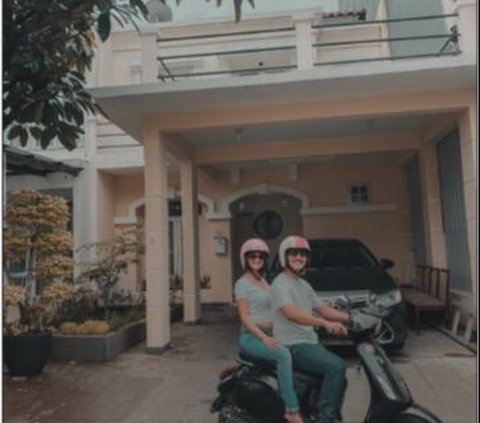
{"x": 220, "y": 245}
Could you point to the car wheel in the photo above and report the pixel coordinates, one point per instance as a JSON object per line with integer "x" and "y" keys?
{"x": 399, "y": 326}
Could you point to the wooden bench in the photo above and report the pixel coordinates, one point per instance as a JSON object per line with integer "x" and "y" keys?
{"x": 430, "y": 293}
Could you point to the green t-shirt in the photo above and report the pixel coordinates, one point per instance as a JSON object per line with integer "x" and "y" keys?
{"x": 259, "y": 300}
{"x": 297, "y": 292}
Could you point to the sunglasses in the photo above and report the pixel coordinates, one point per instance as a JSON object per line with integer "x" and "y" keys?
{"x": 252, "y": 256}
{"x": 298, "y": 253}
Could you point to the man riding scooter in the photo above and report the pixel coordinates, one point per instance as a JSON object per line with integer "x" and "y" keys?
{"x": 294, "y": 302}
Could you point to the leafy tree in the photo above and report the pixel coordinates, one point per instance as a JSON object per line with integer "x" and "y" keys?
{"x": 48, "y": 46}
{"x": 36, "y": 235}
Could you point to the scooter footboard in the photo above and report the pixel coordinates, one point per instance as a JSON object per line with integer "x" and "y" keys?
{"x": 416, "y": 414}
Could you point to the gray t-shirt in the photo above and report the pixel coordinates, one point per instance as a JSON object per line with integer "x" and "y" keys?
{"x": 297, "y": 292}
{"x": 259, "y": 300}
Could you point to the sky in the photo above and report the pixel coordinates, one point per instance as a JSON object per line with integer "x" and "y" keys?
{"x": 191, "y": 10}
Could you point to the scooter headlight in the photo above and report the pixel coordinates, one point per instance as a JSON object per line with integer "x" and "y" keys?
{"x": 389, "y": 298}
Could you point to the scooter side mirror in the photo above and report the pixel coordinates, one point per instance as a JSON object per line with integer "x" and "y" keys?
{"x": 343, "y": 302}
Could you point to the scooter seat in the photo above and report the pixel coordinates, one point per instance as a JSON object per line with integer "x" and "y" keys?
{"x": 262, "y": 363}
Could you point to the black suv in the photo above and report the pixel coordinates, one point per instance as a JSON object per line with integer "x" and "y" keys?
{"x": 347, "y": 267}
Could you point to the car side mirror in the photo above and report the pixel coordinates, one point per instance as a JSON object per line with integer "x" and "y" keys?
{"x": 387, "y": 263}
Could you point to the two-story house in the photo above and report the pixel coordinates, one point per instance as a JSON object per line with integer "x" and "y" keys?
{"x": 358, "y": 121}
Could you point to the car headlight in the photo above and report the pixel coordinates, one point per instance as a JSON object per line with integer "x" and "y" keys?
{"x": 387, "y": 299}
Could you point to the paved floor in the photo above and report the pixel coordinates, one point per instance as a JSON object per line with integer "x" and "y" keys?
{"x": 179, "y": 386}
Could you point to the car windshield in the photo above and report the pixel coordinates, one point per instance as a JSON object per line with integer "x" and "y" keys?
{"x": 341, "y": 256}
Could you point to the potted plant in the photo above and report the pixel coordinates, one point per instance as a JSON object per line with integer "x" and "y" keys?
{"x": 37, "y": 241}
{"x": 28, "y": 325}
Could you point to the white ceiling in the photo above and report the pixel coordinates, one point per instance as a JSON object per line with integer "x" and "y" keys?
{"x": 308, "y": 130}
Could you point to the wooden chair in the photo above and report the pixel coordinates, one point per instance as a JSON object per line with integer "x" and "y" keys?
{"x": 433, "y": 295}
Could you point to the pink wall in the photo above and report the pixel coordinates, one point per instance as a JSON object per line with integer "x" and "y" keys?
{"x": 325, "y": 184}
{"x": 106, "y": 205}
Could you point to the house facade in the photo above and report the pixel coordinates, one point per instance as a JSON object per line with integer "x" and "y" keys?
{"x": 358, "y": 122}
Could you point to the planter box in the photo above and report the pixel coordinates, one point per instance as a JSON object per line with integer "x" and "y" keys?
{"x": 82, "y": 348}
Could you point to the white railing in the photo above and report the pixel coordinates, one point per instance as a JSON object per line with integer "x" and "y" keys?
{"x": 302, "y": 43}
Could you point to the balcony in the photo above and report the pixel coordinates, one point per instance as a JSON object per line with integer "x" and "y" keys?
{"x": 172, "y": 52}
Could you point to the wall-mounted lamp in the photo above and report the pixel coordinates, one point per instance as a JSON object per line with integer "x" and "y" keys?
{"x": 220, "y": 244}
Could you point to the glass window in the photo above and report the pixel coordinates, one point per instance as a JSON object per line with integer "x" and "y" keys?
{"x": 359, "y": 193}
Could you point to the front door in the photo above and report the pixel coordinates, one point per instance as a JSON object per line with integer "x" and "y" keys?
{"x": 271, "y": 217}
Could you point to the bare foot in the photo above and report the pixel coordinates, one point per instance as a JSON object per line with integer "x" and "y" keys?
{"x": 293, "y": 418}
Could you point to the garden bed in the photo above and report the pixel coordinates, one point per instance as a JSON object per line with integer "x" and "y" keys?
{"x": 82, "y": 348}
{"x": 97, "y": 348}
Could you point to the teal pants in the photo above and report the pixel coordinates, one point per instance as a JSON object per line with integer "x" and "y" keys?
{"x": 315, "y": 359}
{"x": 281, "y": 355}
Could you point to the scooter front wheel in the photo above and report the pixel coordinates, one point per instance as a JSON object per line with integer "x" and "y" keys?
{"x": 231, "y": 414}
{"x": 416, "y": 414}
{"x": 411, "y": 419}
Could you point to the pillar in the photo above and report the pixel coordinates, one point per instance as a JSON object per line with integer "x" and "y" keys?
{"x": 156, "y": 240}
{"x": 191, "y": 256}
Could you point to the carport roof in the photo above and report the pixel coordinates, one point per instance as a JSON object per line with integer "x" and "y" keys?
{"x": 127, "y": 105}
{"x": 22, "y": 162}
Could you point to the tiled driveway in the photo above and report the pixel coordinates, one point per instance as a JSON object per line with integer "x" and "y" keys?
{"x": 178, "y": 386}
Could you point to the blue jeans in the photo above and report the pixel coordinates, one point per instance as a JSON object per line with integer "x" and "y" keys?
{"x": 281, "y": 355}
{"x": 315, "y": 359}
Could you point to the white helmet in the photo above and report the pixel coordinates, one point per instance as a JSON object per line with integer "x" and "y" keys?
{"x": 289, "y": 243}
{"x": 251, "y": 245}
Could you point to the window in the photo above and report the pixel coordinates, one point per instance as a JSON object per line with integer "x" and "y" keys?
{"x": 359, "y": 193}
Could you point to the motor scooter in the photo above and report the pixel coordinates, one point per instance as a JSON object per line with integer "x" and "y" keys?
{"x": 249, "y": 392}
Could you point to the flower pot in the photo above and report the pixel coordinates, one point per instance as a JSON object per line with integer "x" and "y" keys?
{"x": 26, "y": 354}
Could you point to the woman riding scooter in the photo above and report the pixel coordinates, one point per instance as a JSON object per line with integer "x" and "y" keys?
{"x": 252, "y": 294}
{"x": 294, "y": 301}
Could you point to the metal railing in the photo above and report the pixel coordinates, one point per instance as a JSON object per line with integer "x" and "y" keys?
{"x": 262, "y": 54}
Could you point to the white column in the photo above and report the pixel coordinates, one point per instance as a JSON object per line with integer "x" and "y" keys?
{"x": 303, "y": 36}
{"x": 156, "y": 240}
{"x": 432, "y": 210}
{"x": 469, "y": 151}
{"x": 85, "y": 221}
{"x": 191, "y": 257}
{"x": 467, "y": 25}
{"x": 149, "y": 35}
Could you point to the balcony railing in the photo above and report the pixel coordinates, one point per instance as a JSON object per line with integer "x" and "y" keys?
{"x": 300, "y": 45}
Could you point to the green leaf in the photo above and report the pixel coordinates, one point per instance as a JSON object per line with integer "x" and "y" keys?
{"x": 47, "y": 136}
{"x": 23, "y": 137}
{"x": 104, "y": 26}
{"x": 38, "y": 112}
{"x": 140, "y": 5}
{"x": 78, "y": 116}
{"x": 36, "y": 132}
{"x": 238, "y": 10}
{"x": 14, "y": 132}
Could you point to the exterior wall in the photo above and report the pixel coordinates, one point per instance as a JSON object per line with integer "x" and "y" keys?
{"x": 217, "y": 267}
{"x": 383, "y": 231}
{"x": 106, "y": 205}
{"x": 469, "y": 152}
